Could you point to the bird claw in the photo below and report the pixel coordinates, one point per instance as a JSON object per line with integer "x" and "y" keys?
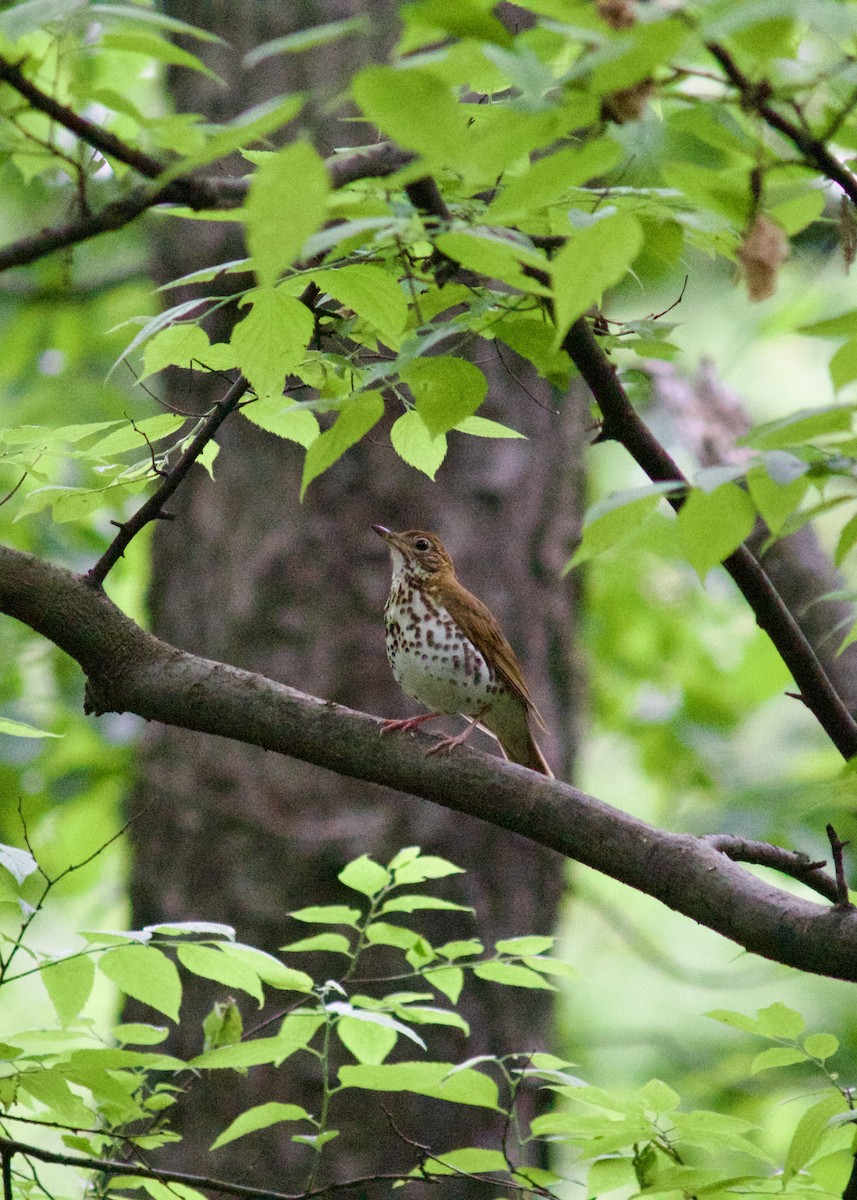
{"x": 406, "y": 724}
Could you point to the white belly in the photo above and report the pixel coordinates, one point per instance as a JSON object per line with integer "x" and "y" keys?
{"x": 432, "y": 661}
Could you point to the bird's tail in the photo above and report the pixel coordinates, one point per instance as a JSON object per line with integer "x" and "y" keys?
{"x": 524, "y": 751}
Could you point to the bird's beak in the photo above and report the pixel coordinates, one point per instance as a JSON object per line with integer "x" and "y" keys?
{"x": 382, "y": 531}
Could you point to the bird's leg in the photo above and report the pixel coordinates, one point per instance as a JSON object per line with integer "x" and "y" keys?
{"x": 447, "y": 745}
{"x": 407, "y": 724}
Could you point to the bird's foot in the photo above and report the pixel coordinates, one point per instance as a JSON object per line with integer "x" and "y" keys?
{"x": 447, "y": 744}
{"x": 407, "y": 724}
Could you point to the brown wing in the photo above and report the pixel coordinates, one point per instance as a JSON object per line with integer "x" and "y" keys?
{"x": 480, "y": 627}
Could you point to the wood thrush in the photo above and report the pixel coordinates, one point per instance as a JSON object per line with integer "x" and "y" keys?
{"x": 447, "y": 651}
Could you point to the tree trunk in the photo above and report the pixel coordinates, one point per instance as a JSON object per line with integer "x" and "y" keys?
{"x": 248, "y": 575}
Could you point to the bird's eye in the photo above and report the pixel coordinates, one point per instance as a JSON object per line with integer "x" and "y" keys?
{"x": 422, "y": 544}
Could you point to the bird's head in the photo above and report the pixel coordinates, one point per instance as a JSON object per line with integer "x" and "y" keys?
{"x": 416, "y": 552}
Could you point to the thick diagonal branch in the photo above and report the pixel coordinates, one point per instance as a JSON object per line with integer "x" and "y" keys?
{"x": 624, "y": 425}
{"x": 129, "y": 670}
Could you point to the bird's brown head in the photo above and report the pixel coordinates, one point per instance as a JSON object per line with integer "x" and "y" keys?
{"x": 416, "y": 552}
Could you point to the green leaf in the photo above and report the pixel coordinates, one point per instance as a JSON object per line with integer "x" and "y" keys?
{"x": 776, "y": 1056}
{"x": 328, "y": 914}
{"x": 184, "y": 344}
{"x": 397, "y": 101}
{"x": 337, "y": 943}
{"x": 373, "y": 294}
{"x": 260, "y": 1116}
{"x": 426, "y": 866}
{"x": 296, "y": 1032}
{"x": 446, "y": 390}
{"x": 271, "y": 340}
{"x": 524, "y": 945}
{"x": 136, "y": 435}
{"x": 801, "y": 427}
{"x": 19, "y": 729}
{"x": 137, "y": 1034}
{"x": 512, "y": 974}
{"x": 847, "y": 538}
{"x": 616, "y": 519}
{"x": 306, "y": 39}
{"x": 821, "y": 1045}
{"x": 415, "y": 445}
{"x": 779, "y": 1021}
{"x": 368, "y": 1043}
{"x": 356, "y": 417}
{"x": 146, "y": 974}
{"x": 775, "y": 501}
{"x": 843, "y": 365}
{"x": 211, "y": 963}
{"x": 269, "y": 969}
{"x": 423, "y": 1079}
{"x": 459, "y": 19}
{"x": 248, "y": 127}
{"x": 550, "y": 179}
{"x": 807, "y": 1137}
{"x": 68, "y": 982}
{"x": 223, "y": 1026}
{"x": 364, "y": 875}
{"x": 472, "y": 1160}
{"x": 160, "y": 49}
{"x": 495, "y": 255}
{"x": 461, "y": 948}
{"x": 592, "y": 260}
{"x": 285, "y": 204}
{"x": 448, "y": 980}
{"x": 413, "y": 903}
{"x": 713, "y": 524}
{"x": 482, "y": 427}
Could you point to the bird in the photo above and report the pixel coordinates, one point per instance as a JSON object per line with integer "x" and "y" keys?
{"x": 448, "y": 652}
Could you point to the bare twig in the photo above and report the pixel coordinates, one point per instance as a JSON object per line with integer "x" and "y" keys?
{"x": 756, "y": 96}
{"x": 789, "y": 862}
{"x": 153, "y": 509}
{"x": 836, "y": 848}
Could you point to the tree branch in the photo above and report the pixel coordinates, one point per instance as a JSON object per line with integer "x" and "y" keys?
{"x": 129, "y": 670}
{"x": 622, "y": 424}
{"x": 153, "y": 508}
{"x": 106, "y": 1166}
{"x": 755, "y": 97}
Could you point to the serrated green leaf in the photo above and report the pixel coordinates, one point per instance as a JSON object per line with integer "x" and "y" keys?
{"x": 496, "y": 256}
{"x": 260, "y": 1116}
{"x": 592, "y": 260}
{"x": 397, "y": 101}
{"x": 801, "y": 427}
{"x": 414, "y": 444}
{"x": 136, "y": 1033}
{"x": 371, "y": 292}
{"x": 617, "y": 518}
{"x": 423, "y": 1079}
{"x": 446, "y": 390}
{"x": 357, "y": 416}
{"x": 775, "y": 501}
{"x": 779, "y": 1021}
{"x": 136, "y": 436}
{"x": 180, "y": 345}
{"x": 68, "y": 982}
{"x": 285, "y": 204}
{"x": 146, "y": 974}
{"x": 470, "y": 1159}
{"x": 713, "y": 524}
{"x": 512, "y": 975}
{"x": 271, "y": 340}
{"x": 222, "y": 1026}
{"x": 211, "y": 963}
{"x": 280, "y": 416}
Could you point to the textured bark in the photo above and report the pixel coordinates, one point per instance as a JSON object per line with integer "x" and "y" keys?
{"x": 249, "y": 576}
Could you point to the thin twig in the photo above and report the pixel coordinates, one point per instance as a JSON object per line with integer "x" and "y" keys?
{"x": 153, "y": 508}
{"x": 788, "y": 862}
{"x": 755, "y": 97}
{"x": 836, "y": 848}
